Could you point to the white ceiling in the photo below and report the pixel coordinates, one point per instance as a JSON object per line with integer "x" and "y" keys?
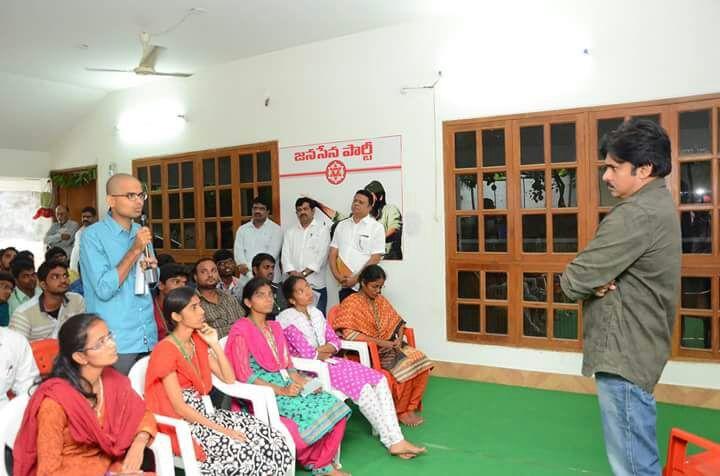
{"x": 44, "y": 88}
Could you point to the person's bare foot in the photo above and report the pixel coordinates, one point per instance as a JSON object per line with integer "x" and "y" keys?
{"x": 410, "y": 419}
{"x": 406, "y": 450}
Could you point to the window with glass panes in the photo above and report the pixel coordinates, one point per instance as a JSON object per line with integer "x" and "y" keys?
{"x": 196, "y": 201}
{"x": 525, "y": 193}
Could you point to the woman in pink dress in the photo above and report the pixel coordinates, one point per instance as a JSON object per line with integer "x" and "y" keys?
{"x": 309, "y": 336}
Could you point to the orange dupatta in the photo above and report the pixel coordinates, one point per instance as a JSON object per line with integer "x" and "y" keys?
{"x": 356, "y": 316}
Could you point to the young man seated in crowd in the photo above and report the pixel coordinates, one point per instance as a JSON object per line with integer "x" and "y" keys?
{"x": 7, "y": 255}
{"x": 26, "y": 255}
{"x": 56, "y": 254}
{"x": 172, "y": 276}
{"x": 25, "y": 283}
{"x": 7, "y": 286}
{"x": 42, "y": 316}
{"x": 227, "y": 269}
{"x": 221, "y": 308}
{"x": 263, "y": 266}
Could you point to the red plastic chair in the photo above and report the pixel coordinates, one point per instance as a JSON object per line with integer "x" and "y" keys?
{"x": 373, "y": 348}
{"x": 679, "y": 463}
{"x": 45, "y": 351}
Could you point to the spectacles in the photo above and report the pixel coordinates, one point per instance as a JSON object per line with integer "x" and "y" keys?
{"x": 102, "y": 342}
{"x": 132, "y": 196}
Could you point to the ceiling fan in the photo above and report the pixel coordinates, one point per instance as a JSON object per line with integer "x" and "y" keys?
{"x": 147, "y": 62}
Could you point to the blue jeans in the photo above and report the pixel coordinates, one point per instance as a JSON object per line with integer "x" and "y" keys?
{"x": 628, "y": 418}
{"x": 322, "y": 301}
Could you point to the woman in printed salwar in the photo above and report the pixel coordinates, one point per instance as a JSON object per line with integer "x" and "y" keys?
{"x": 368, "y": 316}
{"x": 309, "y": 336}
{"x": 259, "y": 354}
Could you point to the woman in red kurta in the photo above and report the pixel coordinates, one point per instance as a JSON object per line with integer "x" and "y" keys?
{"x": 85, "y": 419}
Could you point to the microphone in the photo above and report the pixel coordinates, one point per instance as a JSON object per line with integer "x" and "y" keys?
{"x": 151, "y": 274}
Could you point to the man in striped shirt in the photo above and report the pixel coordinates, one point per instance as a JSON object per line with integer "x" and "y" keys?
{"x": 42, "y": 316}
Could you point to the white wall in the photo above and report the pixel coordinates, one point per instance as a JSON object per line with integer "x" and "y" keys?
{"x": 520, "y": 57}
{"x": 24, "y": 163}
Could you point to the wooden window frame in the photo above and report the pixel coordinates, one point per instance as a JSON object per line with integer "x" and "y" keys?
{"x": 516, "y": 262}
{"x": 200, "y": 220}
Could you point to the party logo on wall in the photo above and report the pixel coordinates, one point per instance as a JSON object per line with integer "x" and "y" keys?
{"x": 335, "y": 172}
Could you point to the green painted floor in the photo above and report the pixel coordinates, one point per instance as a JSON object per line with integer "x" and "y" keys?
{"x": 486, "y": 429}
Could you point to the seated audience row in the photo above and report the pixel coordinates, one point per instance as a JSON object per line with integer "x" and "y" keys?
{"x": 178, "y": 382}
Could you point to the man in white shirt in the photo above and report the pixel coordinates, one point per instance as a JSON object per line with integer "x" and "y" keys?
{"x": 88, "y": 216}
{"x": 359, "y": 241}
{"x": 305, "y": 249}
{"x": 18, "y": 370}
{"x": 260, "y": 235}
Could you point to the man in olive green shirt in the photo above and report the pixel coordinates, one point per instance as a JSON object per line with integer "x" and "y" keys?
{"x": 628, "y": 278}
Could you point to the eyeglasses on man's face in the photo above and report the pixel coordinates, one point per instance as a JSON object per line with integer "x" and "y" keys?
{"x": 132, "y": 196}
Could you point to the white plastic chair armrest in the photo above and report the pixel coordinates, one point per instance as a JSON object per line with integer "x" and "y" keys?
{"x": 359, "y": 347}
{"x": 258, "y": 395}
{"x": 318, "y": 367}
{"x": 162, "y": 450}
{"x": 185, "y": 441}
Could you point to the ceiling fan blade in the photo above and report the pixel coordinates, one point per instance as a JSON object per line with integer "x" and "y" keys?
{"x": 176, "y": 75}
{"x": 108, "y": 70}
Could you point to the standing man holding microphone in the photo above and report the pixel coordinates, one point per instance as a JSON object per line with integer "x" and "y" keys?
{"x": 114, "y": 255}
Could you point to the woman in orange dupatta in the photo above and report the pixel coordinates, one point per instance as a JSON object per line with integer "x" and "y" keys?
{"x": 178, "y": 382}
{"x": 368, "y": 316}
{"x": 85, "y": 418}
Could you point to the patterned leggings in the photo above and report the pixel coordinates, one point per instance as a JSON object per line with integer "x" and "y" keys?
{"x": 265, "y": 451}
{"x": 376, "y": 404}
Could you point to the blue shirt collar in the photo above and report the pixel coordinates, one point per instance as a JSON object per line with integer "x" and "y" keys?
{"x": 116, "y": 228}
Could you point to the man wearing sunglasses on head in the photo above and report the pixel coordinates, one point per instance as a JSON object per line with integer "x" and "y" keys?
{"x": 112, "y": 257}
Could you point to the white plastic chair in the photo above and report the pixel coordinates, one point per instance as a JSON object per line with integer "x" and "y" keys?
{"x": 11, "y": 416}
{"x": 263, "y": 403}
{"x": 357, "y": 346}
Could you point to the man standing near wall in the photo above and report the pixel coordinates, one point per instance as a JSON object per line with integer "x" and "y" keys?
{"x": 359, "y": 241}
{"x": 260, "y": 235}
{"x": 88, "y": 216}
{"x": 62, "y": 231}
{"x": 629, "y": 278}
{"x": 111, "y": 253}
{"x": 305, "y": 249}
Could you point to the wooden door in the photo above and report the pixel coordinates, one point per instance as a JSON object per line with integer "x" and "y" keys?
{"x": 76, "y": 198}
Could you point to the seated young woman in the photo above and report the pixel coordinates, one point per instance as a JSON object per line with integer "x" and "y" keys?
{"x": 259, "y": 354}
{"x": 84, "y": 418}
{"x": 309, "y": 336}
{"x": 368, "y": 316}
{"x": 178, "y": 382}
